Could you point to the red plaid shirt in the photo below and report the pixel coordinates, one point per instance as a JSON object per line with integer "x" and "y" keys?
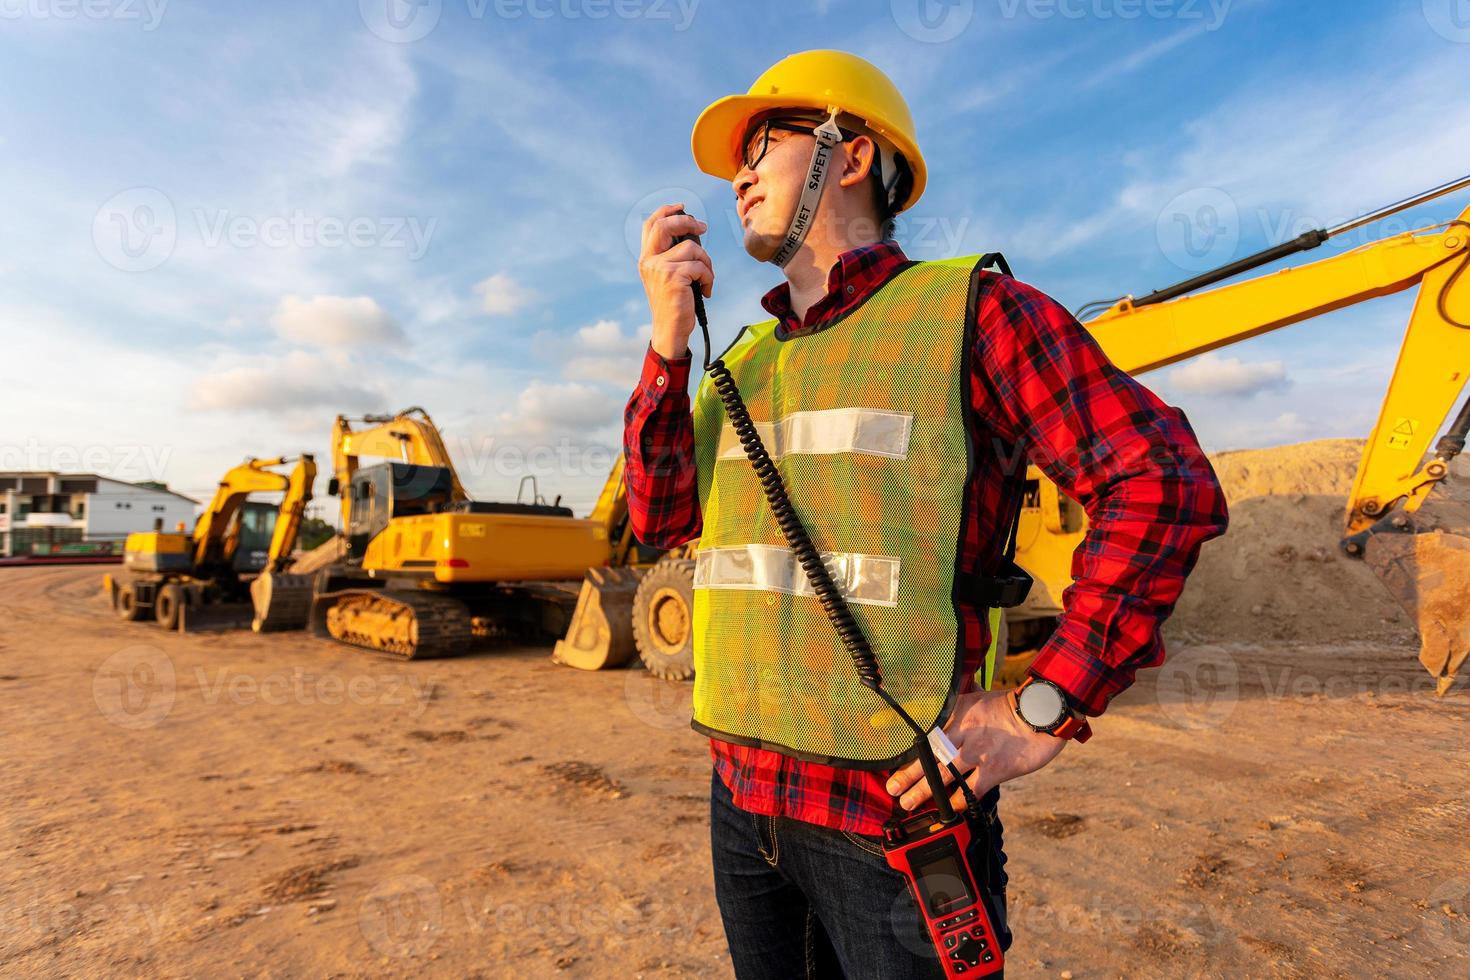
{"x": 1042, "y": 390}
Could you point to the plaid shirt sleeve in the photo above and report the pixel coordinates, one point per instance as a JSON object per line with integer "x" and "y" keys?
{"x": 658, "y": 448}
{"x": 1133, "y": 463}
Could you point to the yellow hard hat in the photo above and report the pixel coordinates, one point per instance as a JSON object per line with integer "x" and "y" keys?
{"x": 811, "y": 80}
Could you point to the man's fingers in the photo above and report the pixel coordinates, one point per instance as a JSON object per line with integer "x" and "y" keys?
{"x": 920, "y": 790}
{"x": 694, "y": 270}
{"x": 662, "y": 211}
{"x": 661, "y": 229}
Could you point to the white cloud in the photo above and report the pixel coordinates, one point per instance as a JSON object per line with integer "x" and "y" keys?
{"x": 546, "y": 410}
{"x": 603, "y": 352}
{"x": 297, "y": 381}
{"x": 335, "y": 321}
{"x": 1211, "y": 374}
{"x": 501, "y": 295}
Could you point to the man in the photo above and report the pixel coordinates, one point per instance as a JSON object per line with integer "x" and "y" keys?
{"x": 901, "y": 401}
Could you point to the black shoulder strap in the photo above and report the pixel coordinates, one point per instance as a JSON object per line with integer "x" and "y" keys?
{"x": 1009, "y": 586}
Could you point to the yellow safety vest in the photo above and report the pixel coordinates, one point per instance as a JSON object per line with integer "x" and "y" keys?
{"x": 866, "y": 420}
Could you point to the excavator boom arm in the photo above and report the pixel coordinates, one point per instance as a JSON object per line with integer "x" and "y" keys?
{"x": 408, "y": 437}
{"x": 1433, "y": 361}
{"x": 292, "y": 512}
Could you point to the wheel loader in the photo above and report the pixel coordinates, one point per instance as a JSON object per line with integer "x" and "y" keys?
{"x": 200, "y": 580}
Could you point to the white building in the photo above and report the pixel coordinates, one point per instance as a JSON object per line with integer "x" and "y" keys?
{"x": 55, "y": 508}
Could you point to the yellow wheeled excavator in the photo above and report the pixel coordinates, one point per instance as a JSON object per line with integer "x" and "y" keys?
{"x": 427, "y": 571}
{"x": 199, "y": 580}
{"x": 1417, "y": 544}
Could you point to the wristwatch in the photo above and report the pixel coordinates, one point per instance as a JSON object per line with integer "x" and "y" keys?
{"x": 1043, "y": 707}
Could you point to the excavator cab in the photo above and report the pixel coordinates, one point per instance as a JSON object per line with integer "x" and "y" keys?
{"x": 388, "y": 490}
{"x": 256, "y": 522}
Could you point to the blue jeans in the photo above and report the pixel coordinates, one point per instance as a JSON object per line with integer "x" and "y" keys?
{"x": 799, "y": 900}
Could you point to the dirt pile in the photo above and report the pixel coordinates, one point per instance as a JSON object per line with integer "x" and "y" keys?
{"x": 1278, "y": 572}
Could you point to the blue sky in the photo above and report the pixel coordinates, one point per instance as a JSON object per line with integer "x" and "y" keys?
{"x": 225, "y": 223}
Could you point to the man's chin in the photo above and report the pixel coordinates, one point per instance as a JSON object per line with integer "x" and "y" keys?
{"x": 760, "y": 245}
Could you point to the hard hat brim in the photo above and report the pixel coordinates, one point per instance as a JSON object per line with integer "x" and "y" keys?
{"x": 719, "y": 129}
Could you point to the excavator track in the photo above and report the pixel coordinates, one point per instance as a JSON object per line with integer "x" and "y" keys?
{"x": 413, "y": 625}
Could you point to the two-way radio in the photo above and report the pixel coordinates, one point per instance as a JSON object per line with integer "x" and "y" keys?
{"x": 930, "y": 849}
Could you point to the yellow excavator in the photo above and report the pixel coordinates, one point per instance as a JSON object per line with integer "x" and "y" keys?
{"x": 427, "y": 571}
{"x": 1421, "y": 553}
{"x": 199, "y": 580}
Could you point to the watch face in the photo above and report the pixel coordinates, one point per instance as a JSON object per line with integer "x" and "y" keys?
{"x": 1040, "y": 705}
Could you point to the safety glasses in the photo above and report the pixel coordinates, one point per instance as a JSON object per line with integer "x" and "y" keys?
{"x": 758, "y": 141}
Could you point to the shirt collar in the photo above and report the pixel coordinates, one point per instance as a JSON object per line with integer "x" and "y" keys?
{"x": 852, "y": 278}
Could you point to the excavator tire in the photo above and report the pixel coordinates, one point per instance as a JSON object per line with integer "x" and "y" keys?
{"x": 282, "y": 601}
{"x": 125, "y": 603}
{"x": 168, "y": 604}
{"x": 663, "y": 619}
{"x": 600, "y": 634}
{"x": 411, "y": 624}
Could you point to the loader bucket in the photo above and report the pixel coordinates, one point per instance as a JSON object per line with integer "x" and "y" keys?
{"x": 212, "y": 616}
{"x": 282, "y": 601}
{"x": 601, "y": 632}
{"x": 1424, "y": 562}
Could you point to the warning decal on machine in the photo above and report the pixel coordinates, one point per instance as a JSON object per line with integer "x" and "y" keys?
{"x": 1402, "y": 431}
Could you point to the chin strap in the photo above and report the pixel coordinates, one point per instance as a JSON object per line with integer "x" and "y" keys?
{"x": 828, "y": 136}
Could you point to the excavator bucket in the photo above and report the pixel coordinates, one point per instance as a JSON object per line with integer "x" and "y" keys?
{"x": 1423, "y": 560}
{"x": 214, "y": 616}
{"x": 601, "y": 633}
{"x": 282, "y": 601}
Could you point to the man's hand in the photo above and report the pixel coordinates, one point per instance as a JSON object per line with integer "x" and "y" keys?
{"x": 991, "y": 740}
{"x": 667, "y": 274}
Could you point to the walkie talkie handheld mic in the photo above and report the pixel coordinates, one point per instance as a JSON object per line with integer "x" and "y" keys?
{"x": 929, "y": 849}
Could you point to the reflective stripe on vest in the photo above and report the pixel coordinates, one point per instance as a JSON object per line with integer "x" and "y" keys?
{"x": 866, "y": 420}
{"x": 874, "y": 431}
{"x": 871, "y": 579}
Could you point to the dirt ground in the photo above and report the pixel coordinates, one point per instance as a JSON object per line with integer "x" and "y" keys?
{"x": 232, "y": 804}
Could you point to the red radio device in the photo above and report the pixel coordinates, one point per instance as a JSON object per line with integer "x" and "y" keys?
{"x": 930, "y": 852}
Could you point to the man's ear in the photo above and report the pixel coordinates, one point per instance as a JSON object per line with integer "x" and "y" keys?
{"x": 858, "y": 155}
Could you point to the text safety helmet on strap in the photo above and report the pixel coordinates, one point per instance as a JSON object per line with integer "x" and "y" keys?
{"x": 814, "y": 82}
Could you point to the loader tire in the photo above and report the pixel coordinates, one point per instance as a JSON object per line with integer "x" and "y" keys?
{"x": 168, "y": 605}
{"x": 663, "y": 619}
{"x": 126, "y": 604}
